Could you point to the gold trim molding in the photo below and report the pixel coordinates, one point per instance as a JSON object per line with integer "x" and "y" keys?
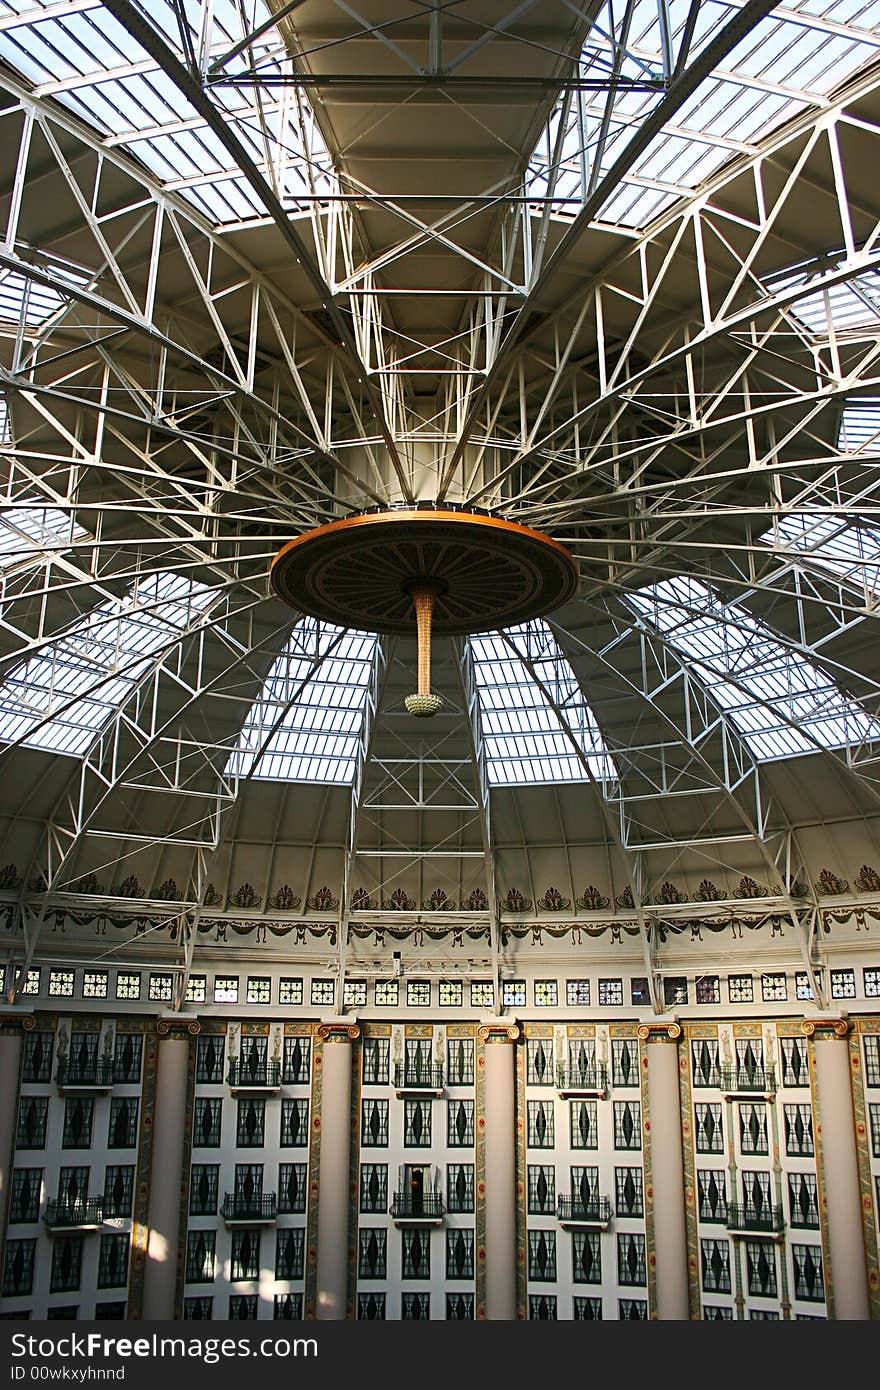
{"x": 169, "y": 1028}
{"x": 822, "y": 1027}
{"x": 659, "y": 1032}
{"x": 499, "y": 1032}
{"x": 339, "y": 1032}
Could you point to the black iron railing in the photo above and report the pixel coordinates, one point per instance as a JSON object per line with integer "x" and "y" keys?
{"x": 248, "y": 1073}
{"x": 593, "y": 1078}
{"x": 748, "y": 1080}
{"x": 767, "y": 1219}
{"x": 410, "y": 1078}
{"x": 90, "y": 1072}
{"x": 238, "y": 1207}
{"x": 575, "y": 1209}
{"x": 80, "y": 1211}
{"x": 427, "y": 1204}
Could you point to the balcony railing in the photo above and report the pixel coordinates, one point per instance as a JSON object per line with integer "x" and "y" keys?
{"x": 582, "y": 1080}
{"x": 409, "y": 1206}
{"x": 93, "y": 1074}
{"x": 257, "y": 1209}
{"x": 748, "y": 1081}
{"x": 577, "y": 1212}
{"x": 410, "y": 1078}
{"x": 764, "y": 1220}
{"x": 254, "y": 1076}
{"x": 81, "y": 1213}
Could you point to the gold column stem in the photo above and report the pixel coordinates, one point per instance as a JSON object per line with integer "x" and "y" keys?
{"x": 423, "y": 596}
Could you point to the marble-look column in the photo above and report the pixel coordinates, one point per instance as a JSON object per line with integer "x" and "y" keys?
{"x": 12, "y": 1030}
{"x": 500, "y": 1183}
{"x": 667, "y": 1170}
{"x": 333, "y": 1170}
{"x": 168, "y": 1153}
{"x": 848, "y": 1276}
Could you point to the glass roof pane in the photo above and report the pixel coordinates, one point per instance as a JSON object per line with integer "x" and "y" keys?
{"x": 523, "y": 740}
{"x": 860, "y": 425}
{"x": 304, "y": 729}
{"x": 30, "y": 530}
{"x": 76, "y": 684}
{"x": 781, "y": 703}
{"x": 849, "y": 549}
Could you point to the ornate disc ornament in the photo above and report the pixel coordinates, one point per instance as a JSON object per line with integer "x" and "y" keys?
{"x": 421, "y": 568}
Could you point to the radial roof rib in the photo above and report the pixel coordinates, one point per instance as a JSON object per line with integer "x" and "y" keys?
{"x": 149, "y": 37}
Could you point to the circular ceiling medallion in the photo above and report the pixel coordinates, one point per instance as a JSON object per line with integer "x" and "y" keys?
{"x": 485, "y": 572}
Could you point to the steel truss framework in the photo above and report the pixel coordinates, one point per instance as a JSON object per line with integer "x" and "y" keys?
{"x": 186, "y": 389}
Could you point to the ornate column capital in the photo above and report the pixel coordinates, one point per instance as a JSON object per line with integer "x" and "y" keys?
{"x": 669, "y": 1031}
{"x": 825, "y": 1028}
{"x": 11, "y": 1024}
{"x": 178, "y": 1029}
{"x": 338, "y": 1031}
{"x": 499, "y": 1031}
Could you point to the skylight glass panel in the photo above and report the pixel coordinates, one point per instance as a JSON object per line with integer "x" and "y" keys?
{"x": 306, "y": 727}
{"x": 30, "y": 532}
{"x": 521, "y": 731}
{"x": 850, "y": 550}
{"x": 780, "y": 701}
{"x": 61, "y": 698}
{"x": 23, "y": 300}
{"x": 85, "y": 59}
{"x": 850, "y": 306}
{"x": 860, "y": 425}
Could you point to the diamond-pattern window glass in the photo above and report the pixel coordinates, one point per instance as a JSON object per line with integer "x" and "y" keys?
{"x": 577, "y": 993}
{"x": 113, "y": 1261}
{"x": 460, "y": 1062}
{"x": 24, "y": 1202}
{"x": 542, "y": 1256}
{"x": 209, "y": 1058}
{"x": 417, "y": 1123}
{"x": 459, "y": 1124}
{"x": 292, "y": 1188}
{"x": 629, "y": 1192}
{"x": 539, "y": 1062}
{"x": 67, "y": 1253}
{"x": 203, "y": 1188}
{"x": 583, "y": 1122}
{"x": 198, "y": 1309}
{"x": 761, "y": 1267}
{"x": 450, "y": 994}
{"x": 459, "y": 1253}
{"x": 709, "y": 1131}
{"x": 795, "y": 1067}
{"x": 704, "y": 1061}
{"x": 708, "y": 989}
{"x": 78, "y": 1115}
{"x": 584, "y": 1189}
{"x": 387, "y": 993}
{"x": 715, "y": 1265}
{"x": 33, "y": 1115}
{"x": 73, "y": 1186}
{"x": 871, "y": 979}
{"x": 296, "y": 1067}
{"x": 245, "y": 1258}
{"x": 749, "y": 1059}
{"x": 871, "y": 1042}
{"x": 128, "y": 1051}
{"x": 118, "y": 1189}
{"x": 540, "y": 1126}
{"x": 206, "y": 1123}
{"x": 713, "y": 1313}
{"x": 243, "y": 1307}
{"x": 798, "y": 1123}
{"x": 459, "y": 1307}
{"x": 250, "y": 1128}
{"x": 248, "y": 1183}
{"x": 36, "y": 1062}
{"x": 843, "y": 984}
{"x": 627, "y": 1124}
{"x": 513, "y": 994}
{"x": 541, "y": 1185}
{"x": 740, "y": 989}
{"x": 546, "y": 994}
{"x": 374, "y": 1124}
{"x": 290, "y": 991}
{"x": 200, "y": 1257}
{"x": 460, "y": 1187}
{"x": 586, "y": 1259}
{"x": 371, "y": 1307}
{"x": 374, "y": 1187}
{"x": 874, "y": 1117}
{"x": 582, "y": 1061}
{"x": 753, "y": 1128}
{"x": 482, "y": 994}
{"x": 415, "y": 1307}
{"x": 610, "y": 992}
{"x": 288, "y": 1307}
{"x": 18, "y": 1267}
{"x": 773, "y": 987}
{"x": 372, "y": 1252}
{"x": 809, "y": 1280}
{"x": 294, "y": 1123}
{"x": 712, "y": 1194}
{"x": 290, "y": 1245}
{"x": 803, "y": 1200}
{"x": 254, "y": 1058}
{"x": 586, "y": 1309}
{"x": 632, "y": 1309}
{"x": 625, "y": 1062}
{"x": 631, "y": 1258}
{"x": 543, "y": 1307}
{"x": 375, "y": 1061}
{"x": 416, "y": 1248}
